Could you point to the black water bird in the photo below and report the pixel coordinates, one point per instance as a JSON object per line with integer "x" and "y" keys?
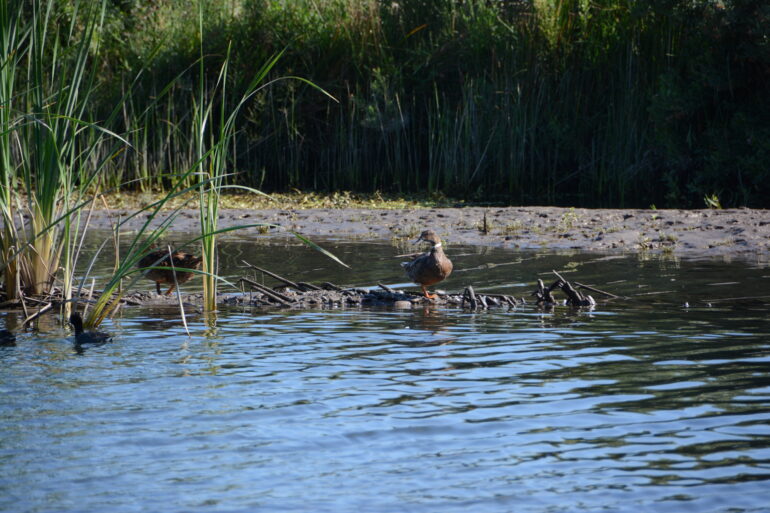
{"x": 87, "y": 337}
{"x": 7, "y": 338}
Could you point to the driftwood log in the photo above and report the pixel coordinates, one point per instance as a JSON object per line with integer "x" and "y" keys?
{"x": 288, "y": 293}
{"x": 544, "y": 295}
{"x": 301, "y": 294}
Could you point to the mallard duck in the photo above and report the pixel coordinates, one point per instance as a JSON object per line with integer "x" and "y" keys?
{"x": 87, "y": 337}
{"x": 431, "y": 267}
{"x": 7, "y": 338}
{"x": 179, "y": 259}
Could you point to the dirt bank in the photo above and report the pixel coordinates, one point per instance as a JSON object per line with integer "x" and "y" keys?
{"x": 739, "y": 232}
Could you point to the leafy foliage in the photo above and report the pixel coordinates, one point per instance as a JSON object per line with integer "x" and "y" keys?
{"x": 600, "y": 103}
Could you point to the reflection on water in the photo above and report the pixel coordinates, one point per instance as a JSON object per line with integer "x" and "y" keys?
{"x": 641, "y": 404}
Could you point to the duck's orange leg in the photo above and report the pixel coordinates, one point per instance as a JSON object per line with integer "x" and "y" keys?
{"x": 425, "y": 291}
{"x": 171, "y": 289}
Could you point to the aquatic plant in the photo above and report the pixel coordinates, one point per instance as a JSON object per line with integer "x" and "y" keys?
{"x": 51, "y": 152}
{"x": 142, "y": 243}
{"x": 11, "y": 36}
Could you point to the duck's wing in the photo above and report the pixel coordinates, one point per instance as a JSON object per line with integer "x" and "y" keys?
{"x": 150, "y": 259}
{"x": 414, "y": 268}
{"x": 182, "y": 259}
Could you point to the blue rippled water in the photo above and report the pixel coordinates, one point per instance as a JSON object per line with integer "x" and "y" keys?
{"x": 640, "y": 405}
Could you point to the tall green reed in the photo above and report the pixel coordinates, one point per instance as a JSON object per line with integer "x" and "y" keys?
{"x": 50, "y": 146}
{"x": 12, "y": 35}
{"x": 546, "y": 101}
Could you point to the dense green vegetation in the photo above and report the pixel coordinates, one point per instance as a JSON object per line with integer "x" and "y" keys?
{"x": 59, "y": 150}
{"x": 570, "y": 102}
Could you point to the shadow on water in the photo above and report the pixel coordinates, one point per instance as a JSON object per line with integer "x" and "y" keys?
{"x": 658, "y": 401}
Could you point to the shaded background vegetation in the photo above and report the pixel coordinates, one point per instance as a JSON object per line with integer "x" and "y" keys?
{"x": 573, "y": 102}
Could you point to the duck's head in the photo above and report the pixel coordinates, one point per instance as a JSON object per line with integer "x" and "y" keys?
{"x": 429, "y": 236}
{"x": 77, "y": 322}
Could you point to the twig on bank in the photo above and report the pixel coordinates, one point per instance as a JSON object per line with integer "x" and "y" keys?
{"x": 276, "y": 296}
{"x": 471, "y": 297}
{"x": 597, "y": 291}
{"x": 37, "y": 314}
{"x": 279, "y": 278}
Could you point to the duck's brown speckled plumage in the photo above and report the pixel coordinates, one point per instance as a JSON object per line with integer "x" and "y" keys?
{"x": 179, "y": 259}
{"x": 431, "y": 267}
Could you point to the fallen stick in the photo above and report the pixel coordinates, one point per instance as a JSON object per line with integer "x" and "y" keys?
{"x": 575, "y": 297}
{"x": 559, "y": 276}
{"x": 471, "y": 297}
{"x": 269, "y": 293}
{"x": 37, "y": 314}
{"x": 409, "y": 255}
{"x": 273, "y": 275}
{"x": 543, "y": 294}
{"x": 503, "y": 297}
{"x": 723, "y": 299}
{"x": 38, "y": 301}
{"x": 613, "y": 296}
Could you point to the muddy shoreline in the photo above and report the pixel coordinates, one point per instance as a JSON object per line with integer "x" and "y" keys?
{"x": 696, "y": 233}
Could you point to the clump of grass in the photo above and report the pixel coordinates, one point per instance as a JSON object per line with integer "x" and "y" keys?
{"x": 668, "y": 238}
{"x": 513, "y": 228}
{"x": 568, "y": 220}
{"x": 410, "y": 231}
{"x": 712, "y": 201}
{"x": 644, "y": 243}
{"x": 51, "y": 151}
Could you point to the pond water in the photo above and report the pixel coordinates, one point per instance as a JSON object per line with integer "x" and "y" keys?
{"x": 643, "y": 403}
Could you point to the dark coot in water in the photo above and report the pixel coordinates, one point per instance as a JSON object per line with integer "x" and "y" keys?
{"x": 87, "y": 337}
{"x": 7, "y": 338}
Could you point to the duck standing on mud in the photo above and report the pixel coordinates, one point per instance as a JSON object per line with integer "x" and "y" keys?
{"x": 87, "y": 337}
{"x": 431, "y": 267}
{"x": 179, "y": 259}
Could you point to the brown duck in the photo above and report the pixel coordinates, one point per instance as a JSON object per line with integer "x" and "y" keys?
{"x": 179, "y": 259}
{"x": 431, "y": 267}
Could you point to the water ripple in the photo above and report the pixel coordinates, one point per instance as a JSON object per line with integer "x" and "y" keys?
{"x": 635, "y": 406}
